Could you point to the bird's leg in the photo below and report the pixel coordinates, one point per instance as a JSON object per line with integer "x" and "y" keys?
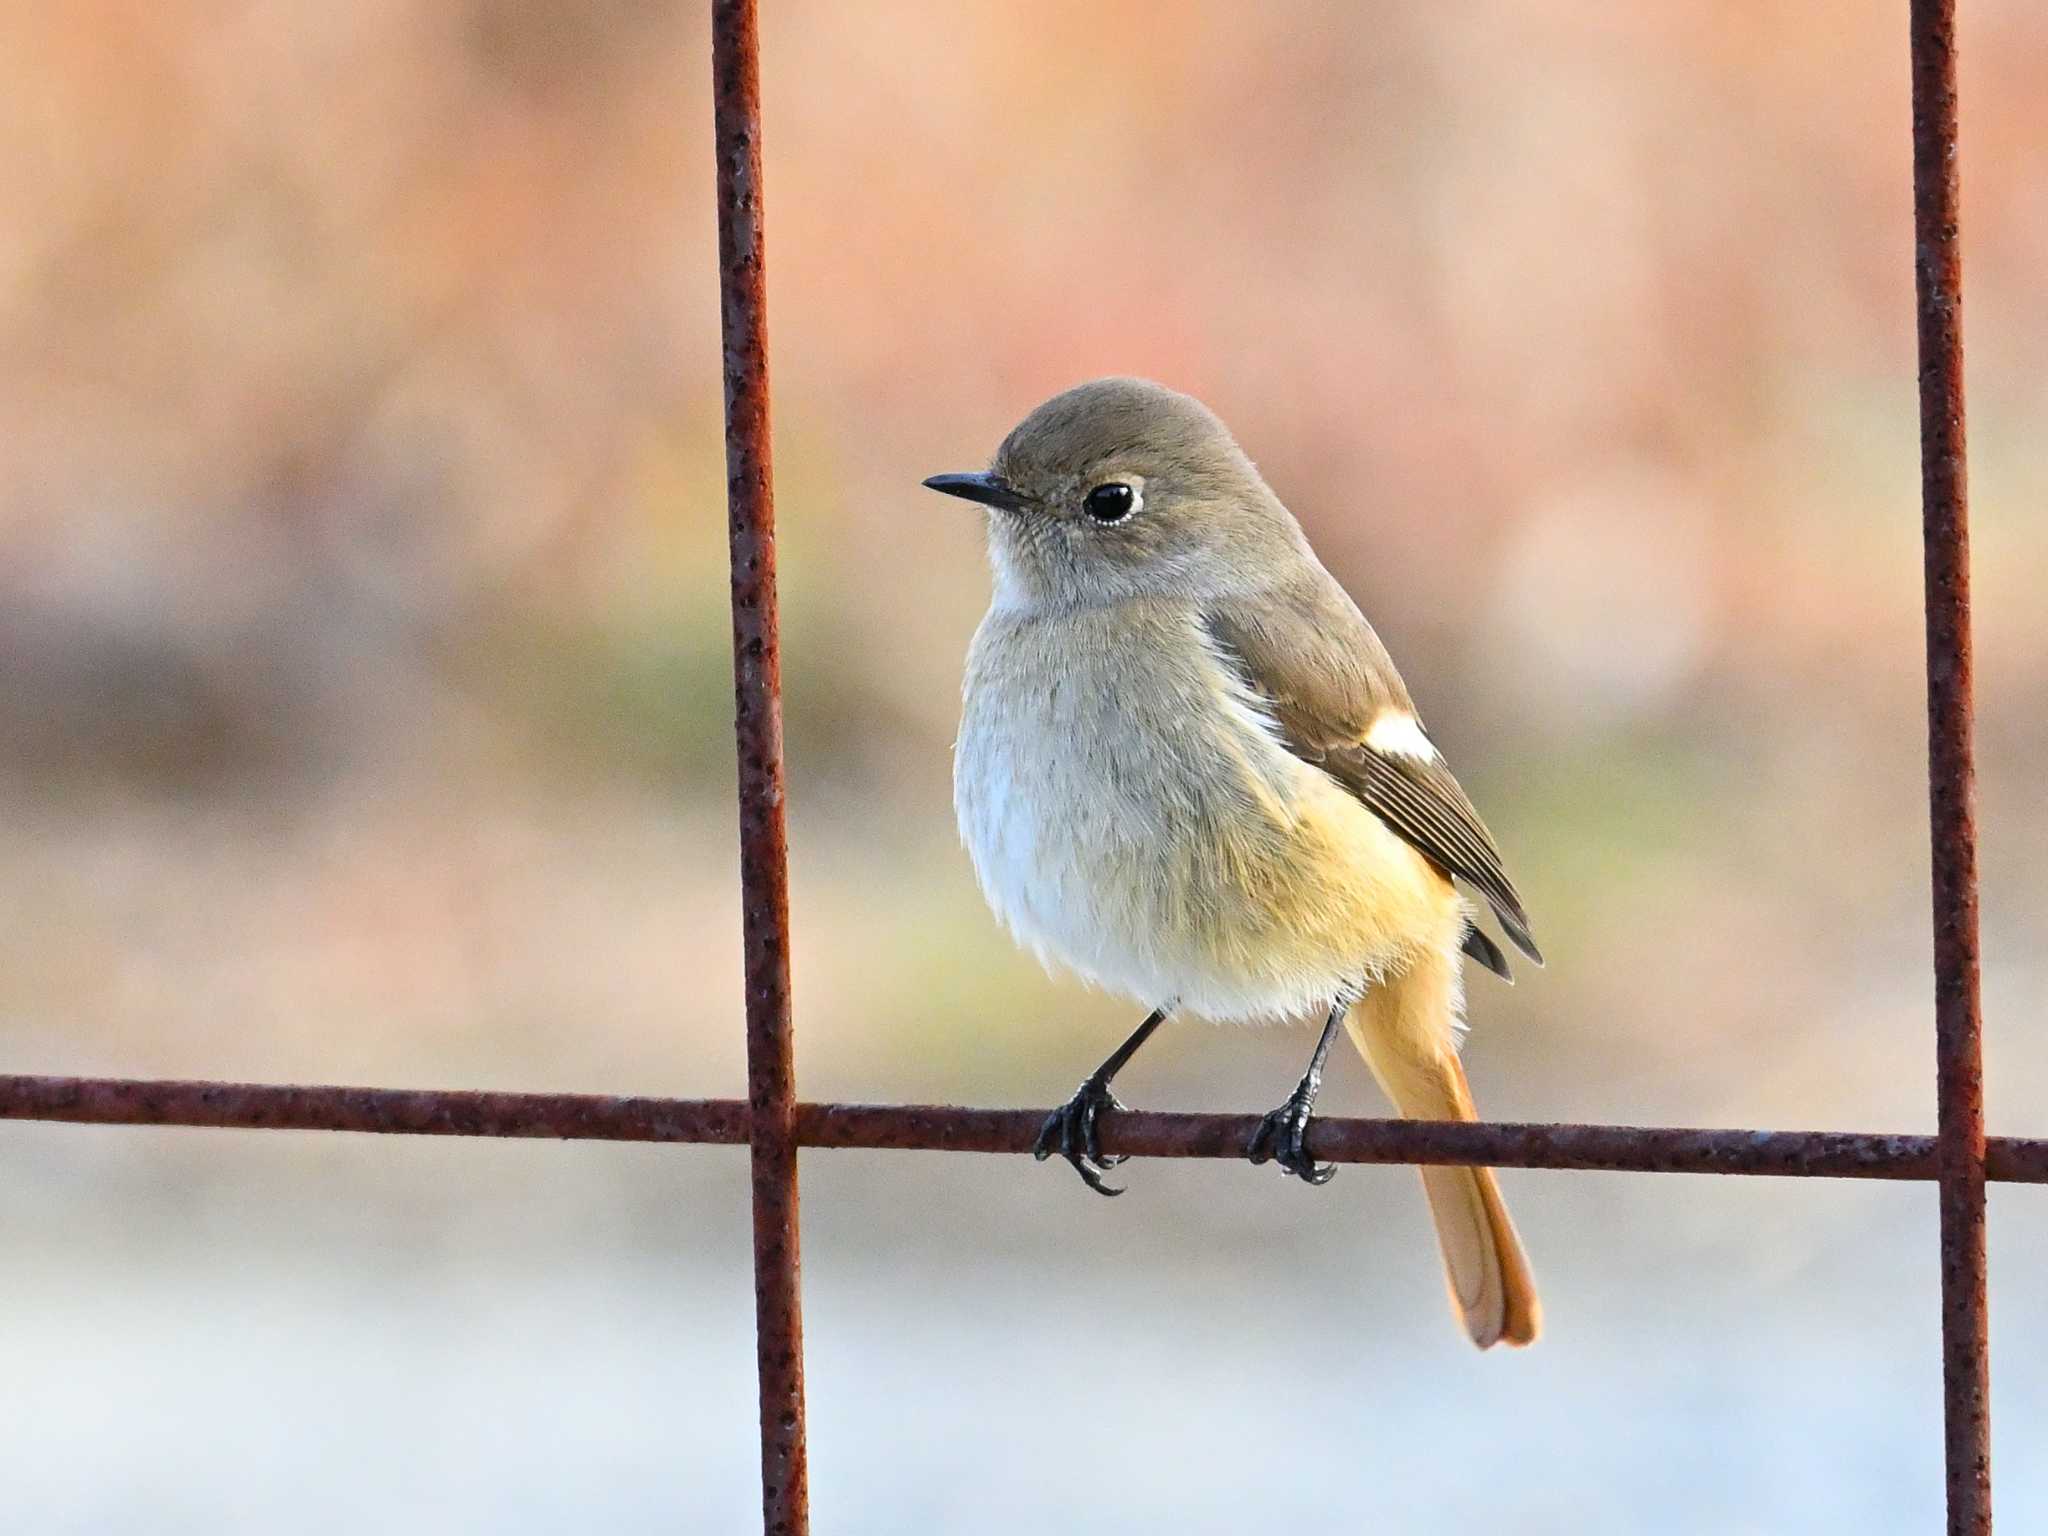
{"x": 1283, "y": 1134}
{"x": 1071, "y": 1129}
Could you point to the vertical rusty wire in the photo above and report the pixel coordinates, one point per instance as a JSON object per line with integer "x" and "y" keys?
{"x": 1952, "y": 789}
{"x": 764, "y": 848}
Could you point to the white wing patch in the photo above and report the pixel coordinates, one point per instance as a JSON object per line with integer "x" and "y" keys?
{"x": 1398, "y": 733}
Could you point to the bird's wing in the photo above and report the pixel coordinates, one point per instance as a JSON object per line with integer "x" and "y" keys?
{"x": 1311, "y": 658}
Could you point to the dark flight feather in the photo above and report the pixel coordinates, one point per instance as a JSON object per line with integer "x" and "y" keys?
{"x": 1480, "y": 946}
{"x": 1310, "y": 656}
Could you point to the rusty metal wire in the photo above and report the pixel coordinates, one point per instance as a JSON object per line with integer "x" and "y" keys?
{"x": 1951, "y": 771}
{"x": 764, "y": 841}
{"x": 947, "y": 1128}
{"x": 1960, "y": 1158}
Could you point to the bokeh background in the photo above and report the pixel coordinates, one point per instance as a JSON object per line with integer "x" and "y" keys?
{"x": 364, "y": 697}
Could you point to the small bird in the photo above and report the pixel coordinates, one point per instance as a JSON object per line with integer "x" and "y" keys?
{"x": 1188, "y": 771}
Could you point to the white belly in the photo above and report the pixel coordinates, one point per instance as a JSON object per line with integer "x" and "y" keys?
{"x": 1131, "y": 819}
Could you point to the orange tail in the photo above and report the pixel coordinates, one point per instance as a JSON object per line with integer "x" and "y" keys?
{"x": 1406, "y": 1029}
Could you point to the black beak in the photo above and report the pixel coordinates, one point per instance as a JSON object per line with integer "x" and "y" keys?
{"x": 989, "y": 490}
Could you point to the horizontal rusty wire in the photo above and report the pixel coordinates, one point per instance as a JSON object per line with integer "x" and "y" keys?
{"x": 945, "y": 1128}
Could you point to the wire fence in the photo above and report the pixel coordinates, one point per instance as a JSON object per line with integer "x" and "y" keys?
{"x": 773, "y": 1125}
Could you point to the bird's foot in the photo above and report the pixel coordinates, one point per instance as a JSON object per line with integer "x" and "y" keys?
{"x": 1282, "y": 1136}
{"x": 1073, "y": 1131}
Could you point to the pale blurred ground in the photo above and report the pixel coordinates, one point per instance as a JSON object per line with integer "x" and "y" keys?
{"x": 364, "y": 696}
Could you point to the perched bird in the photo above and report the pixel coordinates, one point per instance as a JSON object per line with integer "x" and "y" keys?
{"x": 1188, "y": 771}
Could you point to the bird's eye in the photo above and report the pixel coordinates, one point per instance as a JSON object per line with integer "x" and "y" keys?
{"x": 1111, "y": 503}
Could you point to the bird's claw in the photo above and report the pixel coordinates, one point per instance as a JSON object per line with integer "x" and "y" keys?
{"x": 1282, "y": 1136}
{"x": 1073, "y": 1130}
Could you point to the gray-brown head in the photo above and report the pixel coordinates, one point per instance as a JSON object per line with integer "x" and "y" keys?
{"x": 1123, "y": 488}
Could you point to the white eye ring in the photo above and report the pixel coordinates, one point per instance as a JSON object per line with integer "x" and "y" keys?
{"x": 1113, "y": 502}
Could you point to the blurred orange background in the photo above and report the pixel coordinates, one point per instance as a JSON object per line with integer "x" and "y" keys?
{"x": 365, "y": 697}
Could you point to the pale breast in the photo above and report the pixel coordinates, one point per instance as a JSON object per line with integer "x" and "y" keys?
{"x": 1131, "y": 815}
